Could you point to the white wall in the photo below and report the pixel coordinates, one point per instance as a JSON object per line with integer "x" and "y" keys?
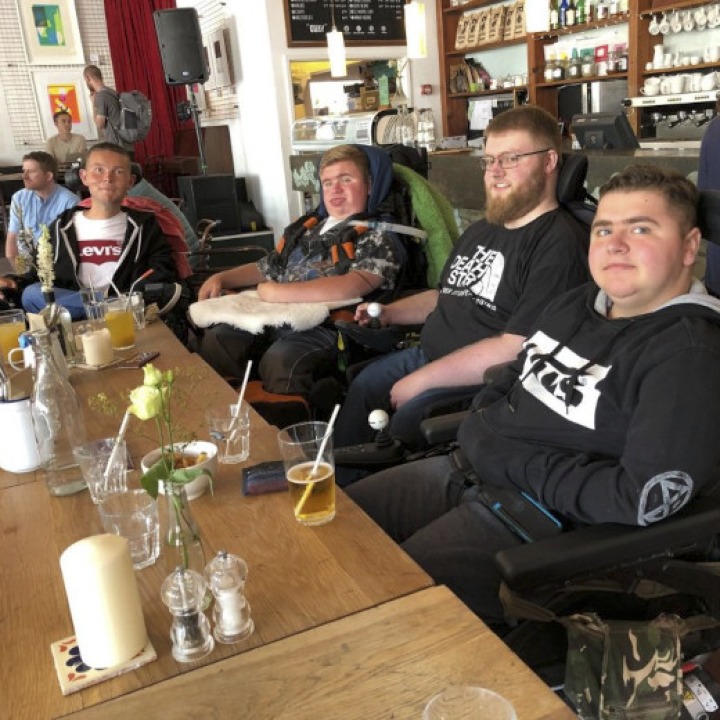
{"x": 8, "y": 154}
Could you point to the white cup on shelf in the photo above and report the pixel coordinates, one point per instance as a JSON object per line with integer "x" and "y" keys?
{"x": 651, "y": 86}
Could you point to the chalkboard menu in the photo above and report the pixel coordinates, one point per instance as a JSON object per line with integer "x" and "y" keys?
{"x": 362, "y": 22}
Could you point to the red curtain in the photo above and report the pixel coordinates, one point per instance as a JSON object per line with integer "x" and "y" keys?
{"x": 137, "y": 66}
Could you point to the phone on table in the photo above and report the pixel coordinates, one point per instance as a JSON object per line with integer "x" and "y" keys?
{"x": 139, "y": 359}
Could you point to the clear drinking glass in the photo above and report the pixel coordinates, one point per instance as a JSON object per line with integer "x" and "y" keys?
{"x": 12, "y": 323}
{"x": 230, "y": 433}
{"x": 137, "y": 303}
{"x": 133, "y": 514}
{"x": 312, "y": 494}
{"x": 119, "y": 320}
{"x": 468, "y": 703}
{"x": 93, "y": 458}
{"x": 94, "y": 304}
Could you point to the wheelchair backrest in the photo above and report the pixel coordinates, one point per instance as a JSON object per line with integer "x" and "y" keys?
{"x": 709, "y": 215}
{"x": 391, "y": 201}
{"x": 571, "y": 191}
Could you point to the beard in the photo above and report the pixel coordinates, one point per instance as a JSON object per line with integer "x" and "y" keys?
{"x": 511, "y": 207}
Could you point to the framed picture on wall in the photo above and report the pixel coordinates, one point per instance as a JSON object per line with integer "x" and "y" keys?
{"x": 50, "y": 32}
{"x": 220, "y": 67}
{"x": 63, "y": 90}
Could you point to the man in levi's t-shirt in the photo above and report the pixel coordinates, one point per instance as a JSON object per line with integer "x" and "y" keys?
{"x": 105, "y": 242}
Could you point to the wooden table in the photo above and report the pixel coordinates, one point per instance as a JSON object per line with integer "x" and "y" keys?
{"x": 299, "y": 577}
{"x": 386, "y": 662}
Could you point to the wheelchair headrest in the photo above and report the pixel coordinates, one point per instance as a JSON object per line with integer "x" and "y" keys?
{"x": 75, "y": 184}
{"x": 571, "y": 178}
{"x": 709, "y": 215}
{"x": 381, "y": 177}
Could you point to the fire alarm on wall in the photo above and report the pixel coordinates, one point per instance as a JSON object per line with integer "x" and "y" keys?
{"x": 426, "y": 89}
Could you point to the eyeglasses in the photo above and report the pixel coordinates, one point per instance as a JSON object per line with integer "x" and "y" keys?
{"x": 507, "y": 161}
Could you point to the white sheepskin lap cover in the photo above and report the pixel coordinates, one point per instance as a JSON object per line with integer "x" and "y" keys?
{"x": 246, "y": 311}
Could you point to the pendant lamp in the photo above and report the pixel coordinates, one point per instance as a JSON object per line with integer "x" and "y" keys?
{"x": 415, "y": 31}
{"x": 336, "y": 48}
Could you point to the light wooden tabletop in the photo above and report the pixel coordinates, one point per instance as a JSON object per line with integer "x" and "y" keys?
{"x": 299, "y": 577}
{"x": 386, "y": 662}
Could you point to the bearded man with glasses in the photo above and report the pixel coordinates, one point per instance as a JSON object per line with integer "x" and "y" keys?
{"x": 503, "y": 271}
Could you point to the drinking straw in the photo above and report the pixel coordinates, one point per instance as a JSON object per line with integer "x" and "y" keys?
{"x": 309, "y": 488}
{"x": 325, "y": 439}
{"x": 135, "y": 282}
{"x": 231, "y": 428}
{"x": 115, "y": 288}
{"x": 116, "y": 446}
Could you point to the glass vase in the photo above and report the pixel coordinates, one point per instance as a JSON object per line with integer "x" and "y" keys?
{"x": 182, "y": 543}
{"x": 58, "y": 320}
{"x": 57, "y": 420}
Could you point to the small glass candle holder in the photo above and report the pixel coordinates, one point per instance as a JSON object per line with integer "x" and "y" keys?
{"x": 183, "y": 591}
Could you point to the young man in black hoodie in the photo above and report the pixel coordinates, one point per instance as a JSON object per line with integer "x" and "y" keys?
{"x": 607, "y": 415}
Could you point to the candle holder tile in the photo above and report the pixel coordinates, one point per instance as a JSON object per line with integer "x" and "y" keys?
{"x": 74, "y": 675}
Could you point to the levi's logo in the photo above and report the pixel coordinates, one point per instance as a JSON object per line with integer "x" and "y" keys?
{"x": 99, "y": 252}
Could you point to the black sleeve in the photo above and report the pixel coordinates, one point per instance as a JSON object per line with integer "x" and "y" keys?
{"x": 157, "y": 255}
{"x": 671, "y": 454}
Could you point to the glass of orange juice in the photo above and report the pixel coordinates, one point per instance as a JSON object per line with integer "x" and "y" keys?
{"x": 119, "y": 321}
{"x": 12, "y": 323}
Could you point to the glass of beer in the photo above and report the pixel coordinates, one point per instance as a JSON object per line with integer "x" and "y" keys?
{"x": 12, "y": 323}
{"x": 119, "y": 321}
{"x": 310, "y": 473}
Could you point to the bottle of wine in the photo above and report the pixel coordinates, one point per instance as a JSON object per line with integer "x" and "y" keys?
{"x": 554, "y": 15}
{"x": 570, "y": 14}
{"x": 563, "y": 13}
{"x": 580, "y": 14}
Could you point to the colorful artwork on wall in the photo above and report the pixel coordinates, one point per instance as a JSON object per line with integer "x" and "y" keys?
{"x": 50, "y": 32}
{"x": 63, "y": 90}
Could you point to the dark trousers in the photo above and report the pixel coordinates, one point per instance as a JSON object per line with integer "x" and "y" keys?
{"x": 438, "y": 520}
{"x": 370, "y": 390}
{"x": 288, "y": 362}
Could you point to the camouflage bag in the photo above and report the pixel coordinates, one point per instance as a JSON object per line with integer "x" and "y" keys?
{"x": 624, "y": 670}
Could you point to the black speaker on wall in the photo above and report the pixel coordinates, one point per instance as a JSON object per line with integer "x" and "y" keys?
{"x": 212, "y": 197}
{"x": 181, "y": 47}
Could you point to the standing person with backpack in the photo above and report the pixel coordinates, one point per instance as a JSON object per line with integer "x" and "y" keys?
{"x": 107, "y": 109}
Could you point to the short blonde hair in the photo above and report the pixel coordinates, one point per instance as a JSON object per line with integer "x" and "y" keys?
{"x": 349, "y": 153}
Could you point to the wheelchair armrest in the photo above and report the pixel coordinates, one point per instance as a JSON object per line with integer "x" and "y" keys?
{"x": 383, "y": 339}
{"x": 592, "y": 550}
{"x": 443, "y": 428}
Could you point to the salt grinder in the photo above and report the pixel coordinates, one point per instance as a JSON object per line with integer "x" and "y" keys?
{"x": 226, "y": 575}
{"x": 183, "y": 592}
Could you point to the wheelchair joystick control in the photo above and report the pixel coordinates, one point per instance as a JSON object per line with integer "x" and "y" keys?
{"x": 378, "y": 420}
{"x": 374, "y": 310}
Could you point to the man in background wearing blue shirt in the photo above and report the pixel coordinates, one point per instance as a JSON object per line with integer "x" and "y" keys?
{"x": 39, "y": 203}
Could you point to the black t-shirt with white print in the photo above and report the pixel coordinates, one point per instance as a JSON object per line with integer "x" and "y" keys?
{"x": 499, "y": 280}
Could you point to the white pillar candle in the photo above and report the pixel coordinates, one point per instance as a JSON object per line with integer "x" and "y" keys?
{"x": 97, "y": 347}
{"x": 104, "y": 600}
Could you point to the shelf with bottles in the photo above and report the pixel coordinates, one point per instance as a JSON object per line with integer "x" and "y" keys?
{"x": 585, "y": 27}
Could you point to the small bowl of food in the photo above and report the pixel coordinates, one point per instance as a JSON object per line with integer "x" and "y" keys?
{"x": 195, "y": 454}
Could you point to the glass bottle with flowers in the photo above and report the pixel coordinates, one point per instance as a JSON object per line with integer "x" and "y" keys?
{"x": 56, "y": 317}
{"x": 152, "y": 401}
